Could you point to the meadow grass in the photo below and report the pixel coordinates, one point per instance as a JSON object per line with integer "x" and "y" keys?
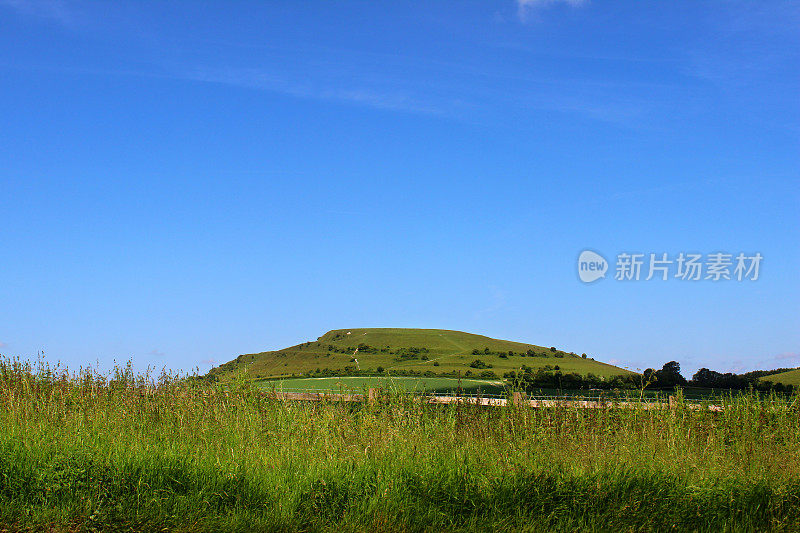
{"x": 401, "y": 383}
{"x": 88, "y": 452}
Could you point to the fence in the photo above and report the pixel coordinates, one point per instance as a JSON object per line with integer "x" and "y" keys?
{"x": 373, "y": 395}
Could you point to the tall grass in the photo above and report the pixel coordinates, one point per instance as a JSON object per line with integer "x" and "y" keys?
{"x": 89, "y": 452}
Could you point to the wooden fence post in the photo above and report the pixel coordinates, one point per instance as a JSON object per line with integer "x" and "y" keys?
{"x": 517, "y": 398}
{"x": 372, "y": 396}
{"x": 672, "y": 402}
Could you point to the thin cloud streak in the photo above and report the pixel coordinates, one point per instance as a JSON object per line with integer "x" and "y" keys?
{"x": 464, "y": 101}
{"x": 55, "y": 10}
{"x": 392, "y": 82}
{"x": 542, "y": 3}
{"x": 262, "y": 79}
{"x": 526, "y": 7}
{"x": 461, "y": 101}
{"x": 452, "y": 90}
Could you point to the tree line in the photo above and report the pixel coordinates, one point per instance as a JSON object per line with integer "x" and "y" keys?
{"x": 667, "y": 378}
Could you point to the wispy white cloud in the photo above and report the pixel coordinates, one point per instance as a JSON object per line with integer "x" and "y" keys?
{"x": 539, "y": 3}
{"x": 459, "y": 90}
{"x": 263, "y": 79}
{"x": 55, "y": 10}
{"x": 525, "y": 7}
{"x": 497, "y": 299}
{"x": 781, "y": 360}
{"x": 789, "y": 356}
{"x": 156, "y": 353}
{"x": 455, "y": 92}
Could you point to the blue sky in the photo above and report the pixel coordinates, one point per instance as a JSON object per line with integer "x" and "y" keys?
{"x": 183, "y": 182}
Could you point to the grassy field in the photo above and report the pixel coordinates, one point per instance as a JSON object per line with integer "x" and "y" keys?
{"x": 407, "y": 384}
{"x": 791, "y": 377}
{"x": 86, "y": 453}
{"x": 440, "y": 385}
{"x": 446, "y": 351}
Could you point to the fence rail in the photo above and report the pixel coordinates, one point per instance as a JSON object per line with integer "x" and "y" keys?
{"x": 517, "y": 398}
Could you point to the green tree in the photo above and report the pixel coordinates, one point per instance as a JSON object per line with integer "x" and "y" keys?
{"x": 669, "y": 375}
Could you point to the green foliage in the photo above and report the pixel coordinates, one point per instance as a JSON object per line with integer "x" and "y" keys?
{"x": 551, "y": 377}
{"x": 125, "y": 452}
{"x": 668, "y": 377}
{"x": 759, "y": 379}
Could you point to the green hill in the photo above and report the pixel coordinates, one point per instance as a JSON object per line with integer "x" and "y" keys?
{"x": 792, "y": 377}
{"x": 422, "y": 350}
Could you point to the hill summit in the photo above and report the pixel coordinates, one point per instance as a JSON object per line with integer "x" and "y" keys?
{"x": 404, "y": 351}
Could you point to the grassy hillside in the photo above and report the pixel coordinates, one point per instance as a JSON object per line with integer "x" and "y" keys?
{"x": 422, "y": 350}
{"x": 792, "y": 377}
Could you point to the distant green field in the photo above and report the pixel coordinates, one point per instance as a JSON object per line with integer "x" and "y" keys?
{"x": 353, "y": 384}
{"x": 791, "y": 377}
{"x": 405, "y": 384}
{"x": 439, "y": 351}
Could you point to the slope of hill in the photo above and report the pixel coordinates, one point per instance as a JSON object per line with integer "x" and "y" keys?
{"x": 792, "y": 377}
{"x": 421, "y": 350}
